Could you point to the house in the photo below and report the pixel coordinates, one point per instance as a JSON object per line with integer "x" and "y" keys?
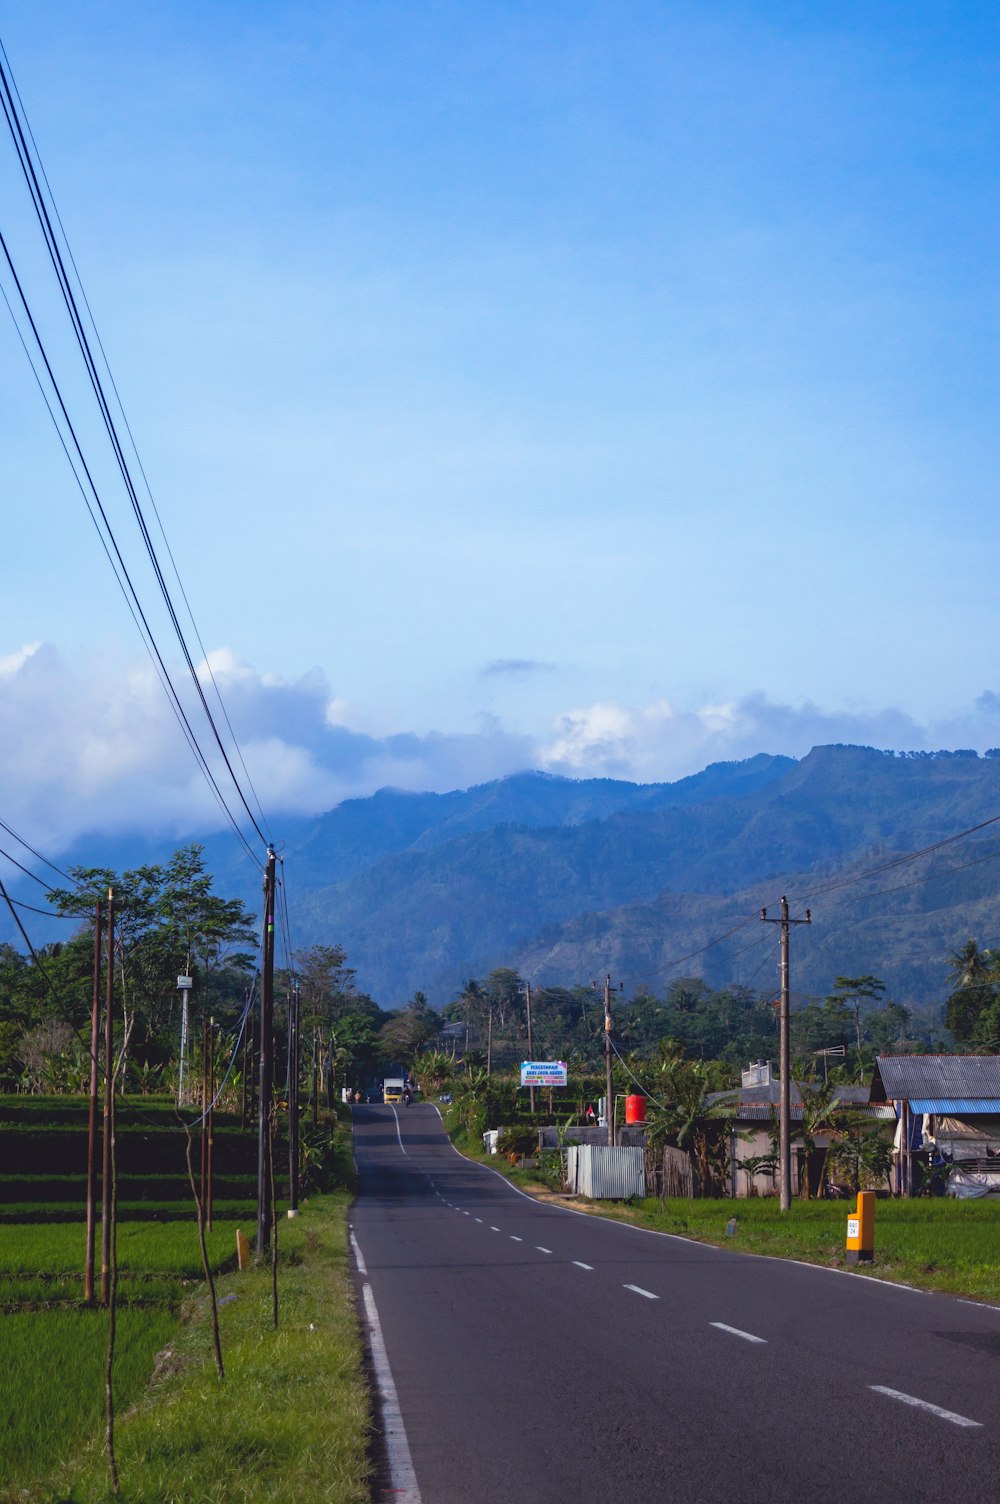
{"x": 948, "y": 1117}
{"x": 753, "y": 1147}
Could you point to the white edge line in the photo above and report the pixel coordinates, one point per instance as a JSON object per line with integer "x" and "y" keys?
{"x": 640, "y": 1291}
{"x": 359, "y": 1257}
{"x": 910, "y": 1399}
{"x": 736, "y": 1332}
{"x": 398, "y": 1134}
{"x": 870, "y": 1281}
{"x": 401, "y": 1474}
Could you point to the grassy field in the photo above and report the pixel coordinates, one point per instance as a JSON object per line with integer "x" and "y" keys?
{"x": 291, "y": 1419}
{"x": 52, "y": 1380}
{"x": 143, "y": 1247}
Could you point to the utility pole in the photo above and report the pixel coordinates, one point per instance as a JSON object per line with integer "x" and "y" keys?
{"x": 531, "y": 1043}
{"x": 109, "y": 1086}
{"x": 785, "y": 1099}
{"x": 266, "y": 1065}
{"x": 243, "y": 1081}
{"x": 489, "y": 1042}
{"x": 203, "y": 1190}
{"x": 293, "y": 1099}
{"x": 609, "y": 1100}
{"x": 95, "y": 1056}
{"x": 211, "y": 1121}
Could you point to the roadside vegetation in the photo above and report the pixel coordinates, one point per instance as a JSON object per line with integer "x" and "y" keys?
{"x": 291, "y": 1418}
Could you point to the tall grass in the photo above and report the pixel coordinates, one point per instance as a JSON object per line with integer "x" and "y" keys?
{"x": 52, "y": 1380}
{"x": 290, "y": 1421}
{"x": 143, "y": 1247}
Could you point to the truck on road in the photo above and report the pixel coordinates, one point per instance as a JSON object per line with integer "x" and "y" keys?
{"x": 393, "y": 1088}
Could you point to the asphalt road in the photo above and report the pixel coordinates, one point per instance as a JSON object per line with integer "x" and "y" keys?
{"x": 542, "y": 1355}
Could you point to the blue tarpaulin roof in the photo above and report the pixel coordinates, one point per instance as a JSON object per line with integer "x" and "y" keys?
{"x": 956, "y": 1107}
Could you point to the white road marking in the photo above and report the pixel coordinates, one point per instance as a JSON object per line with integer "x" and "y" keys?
{"x": 983, "y": 1305}
{"x": 581, "y": 1266}
{"x": 398, "y": 1134}
{"x": 909, "y": 1399}
{"x": 404, "y": 1479}
{"x": 494, "y": 1229}
{"x": 466, "y": 1214}
{"x": 734, "y": 1331}
{"x": 359, "y": 1257}
{"x": 540, "y": 1249}
{"x": 640, "y": 1291}
{"x": 515, "y": 1239}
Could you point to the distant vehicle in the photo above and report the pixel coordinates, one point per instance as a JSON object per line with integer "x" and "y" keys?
{"x": 393, "y": 1088}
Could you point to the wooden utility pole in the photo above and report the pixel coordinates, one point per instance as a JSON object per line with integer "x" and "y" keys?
{"x": 293, "y": 1099}
{"x": 489, "y": 1042}
{"x": 784, "y": 1065}
{"x": 243, "y": 1080}
{"x": 95, "y": 1055}
{"x": 264, "y": 1163}
{"x": 531, "y": 1043}
{"x": 203, "y": 1183}
{"x": 609, "y": 1100}
{"x": 109, "y": 1086}
{"x": 211, "y": 1121}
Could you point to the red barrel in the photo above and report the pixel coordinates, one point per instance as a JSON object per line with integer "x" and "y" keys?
{"x": 635, "y": 1109}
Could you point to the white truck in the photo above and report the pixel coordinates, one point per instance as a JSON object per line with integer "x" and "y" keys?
{"x": 393, "y": 1088}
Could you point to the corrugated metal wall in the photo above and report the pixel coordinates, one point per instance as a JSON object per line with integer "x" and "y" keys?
{"x": 605, "y": 1173}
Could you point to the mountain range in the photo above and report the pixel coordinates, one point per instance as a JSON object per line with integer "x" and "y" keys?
{"x": 567, "y": 880}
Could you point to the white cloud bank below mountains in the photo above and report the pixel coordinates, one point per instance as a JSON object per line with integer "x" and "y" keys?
{"x": 88, "y": 744}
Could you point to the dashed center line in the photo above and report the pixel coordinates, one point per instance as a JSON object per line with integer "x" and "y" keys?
{"x": 540, "y": 1249}
{"x": 515, "y": 1239}
{"x": 494, "y": 1229}
{"x": 910, "y": 1399}
{"x": 581, "y": 1266}
{"x": 734, "y": 1331}
{"x": 640, "y": 1291}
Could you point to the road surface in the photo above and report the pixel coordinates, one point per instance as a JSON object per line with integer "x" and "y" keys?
{"x": 542, "y": 1355}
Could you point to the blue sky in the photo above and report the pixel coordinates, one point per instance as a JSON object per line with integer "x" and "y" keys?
{"x": 609, "y": 388}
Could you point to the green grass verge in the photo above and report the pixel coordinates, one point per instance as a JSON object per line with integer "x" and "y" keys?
{"x": 933, "y": 1243}
{"x": 290, "y": 1421}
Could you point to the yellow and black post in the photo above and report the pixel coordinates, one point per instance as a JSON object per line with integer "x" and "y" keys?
{"x": 861, "y": 1230}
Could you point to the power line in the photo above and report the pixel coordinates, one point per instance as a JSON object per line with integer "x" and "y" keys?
{"x": 7, "y": 94}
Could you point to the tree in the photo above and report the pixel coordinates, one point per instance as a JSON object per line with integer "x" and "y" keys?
{"x": 404, "y": 1034}
{"x": 853, "y": 993}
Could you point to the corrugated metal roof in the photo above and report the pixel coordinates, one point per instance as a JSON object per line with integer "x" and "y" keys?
{"x": 760, "y": 1112}
{"x": 966, "y": 1076}
{"x": 956, "y": 1107}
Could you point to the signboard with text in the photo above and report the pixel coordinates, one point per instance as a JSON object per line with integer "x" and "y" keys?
{"x": 543, "y": 1073}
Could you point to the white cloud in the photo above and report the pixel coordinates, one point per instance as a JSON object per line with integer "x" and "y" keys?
{"x": 91, "y": 744}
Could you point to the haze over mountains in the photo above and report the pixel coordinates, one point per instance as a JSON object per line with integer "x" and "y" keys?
{"x": 566, "y": 879}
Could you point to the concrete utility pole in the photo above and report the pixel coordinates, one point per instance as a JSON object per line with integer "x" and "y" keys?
{"x": 109, "y": 1086}
{"x": 95, "y": 1057}
{"x": 266, "y": 1065}
{"x": 785, "y": 1098}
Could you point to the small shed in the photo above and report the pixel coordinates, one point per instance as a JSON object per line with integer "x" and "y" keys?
{"x": 948, "y": 1112}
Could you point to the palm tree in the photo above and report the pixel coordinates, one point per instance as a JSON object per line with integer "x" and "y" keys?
{"x": 969, "y": 965}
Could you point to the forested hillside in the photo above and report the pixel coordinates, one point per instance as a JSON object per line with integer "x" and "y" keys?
{"x": 564, "y": 880}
